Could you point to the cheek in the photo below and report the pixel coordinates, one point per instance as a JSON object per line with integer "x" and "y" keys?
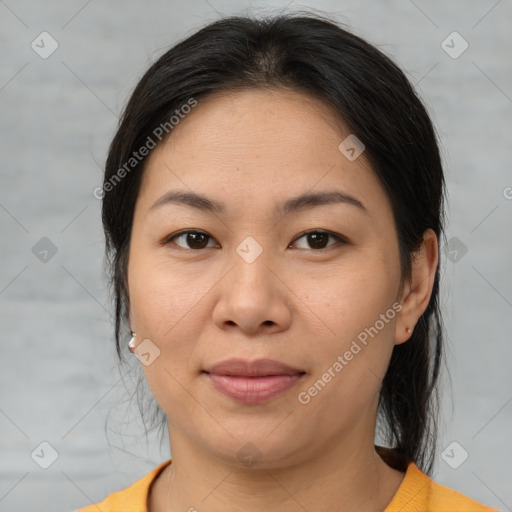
{"x": 352, "y": 296}
{"x": 357, "y": 310}
{"x": 165, "y": 307}
{"x": 349, "y": 364}
{"x": 163, "y": 299}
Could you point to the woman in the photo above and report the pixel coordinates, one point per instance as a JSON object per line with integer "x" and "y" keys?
{"x": 273, "y": 204}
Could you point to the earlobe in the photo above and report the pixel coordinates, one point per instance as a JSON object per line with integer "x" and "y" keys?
{"x": 418, "y": 290}
{"x": 131, "y": 343}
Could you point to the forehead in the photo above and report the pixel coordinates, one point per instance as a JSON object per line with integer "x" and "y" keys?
{"x": 256, "y": 118}
{"x": 257, "y": 142}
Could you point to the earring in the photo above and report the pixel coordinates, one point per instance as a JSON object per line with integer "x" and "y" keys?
{"x": 131, "y": 343}
{"x": 408, "y": 330}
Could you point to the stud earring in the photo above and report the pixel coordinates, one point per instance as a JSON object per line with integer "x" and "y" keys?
{"x": 408, "y": 330}
{"x": 131, "y": 343}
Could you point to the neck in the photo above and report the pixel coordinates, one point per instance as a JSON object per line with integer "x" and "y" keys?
{"x": 349, "y": 474}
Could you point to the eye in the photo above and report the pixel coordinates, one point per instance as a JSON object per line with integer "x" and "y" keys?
{"x": 319, "y": 238}
{"x": 195, "y": 239}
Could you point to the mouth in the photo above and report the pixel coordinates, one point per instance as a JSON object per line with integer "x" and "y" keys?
{"x": 253, "y": 382}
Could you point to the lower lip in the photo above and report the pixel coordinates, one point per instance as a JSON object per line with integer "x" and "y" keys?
{"x": 254, "y": 390}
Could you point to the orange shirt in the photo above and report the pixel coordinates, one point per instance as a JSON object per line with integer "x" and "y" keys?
{"x": 417, "y": 493}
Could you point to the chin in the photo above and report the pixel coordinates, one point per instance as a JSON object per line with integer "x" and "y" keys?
{"x": 252, "y": 449}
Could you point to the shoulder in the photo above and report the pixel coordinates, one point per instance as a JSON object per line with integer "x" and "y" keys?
{"x": 130, "y": 499}
{"x": 418, "y": 492}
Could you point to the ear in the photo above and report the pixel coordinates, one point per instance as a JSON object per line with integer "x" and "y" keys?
{"x": 418, "y": 290}
{"x": 130, "y": 323}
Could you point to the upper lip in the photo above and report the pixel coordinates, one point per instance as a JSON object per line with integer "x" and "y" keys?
{"x": 258, "y": 368}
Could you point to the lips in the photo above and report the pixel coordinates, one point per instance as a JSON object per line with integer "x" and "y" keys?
{"x": 253, "y": 382}
{"x": 258, "y": 368}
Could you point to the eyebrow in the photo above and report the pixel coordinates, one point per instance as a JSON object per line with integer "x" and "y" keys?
{"x": 299, "y": 203}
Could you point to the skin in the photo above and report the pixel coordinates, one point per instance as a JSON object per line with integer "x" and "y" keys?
{"x": 297, "y": 303}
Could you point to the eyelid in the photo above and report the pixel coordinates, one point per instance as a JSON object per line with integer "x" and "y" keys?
{"x": 338, "y": 237}
{"x": 167, "y": 239}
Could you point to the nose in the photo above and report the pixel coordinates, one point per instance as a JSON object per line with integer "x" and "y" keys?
{"x": 254, "y": 298}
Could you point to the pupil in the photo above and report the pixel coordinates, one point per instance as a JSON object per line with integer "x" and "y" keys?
{"x": 313, "y": 239}
{"x": 192, "y": 239}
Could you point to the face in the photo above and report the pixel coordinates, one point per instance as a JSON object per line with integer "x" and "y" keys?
{"x": 314, "y": 287}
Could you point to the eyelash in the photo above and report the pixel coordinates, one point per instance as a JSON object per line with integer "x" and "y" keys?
{"x": 338, "y": 238}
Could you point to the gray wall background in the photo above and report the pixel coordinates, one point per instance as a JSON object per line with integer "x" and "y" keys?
{"x": 58, "y": 372}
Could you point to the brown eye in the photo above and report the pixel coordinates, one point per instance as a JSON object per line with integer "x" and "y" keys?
{"x": 318, "y": 240}
{"x": 194, "y": 239}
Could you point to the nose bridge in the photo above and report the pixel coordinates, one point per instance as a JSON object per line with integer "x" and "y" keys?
{"x": 255, "y": 283}
{"x": 253, "y": 261}
{"x": 251, "y": 250}
{"x": 254, "y": 297}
